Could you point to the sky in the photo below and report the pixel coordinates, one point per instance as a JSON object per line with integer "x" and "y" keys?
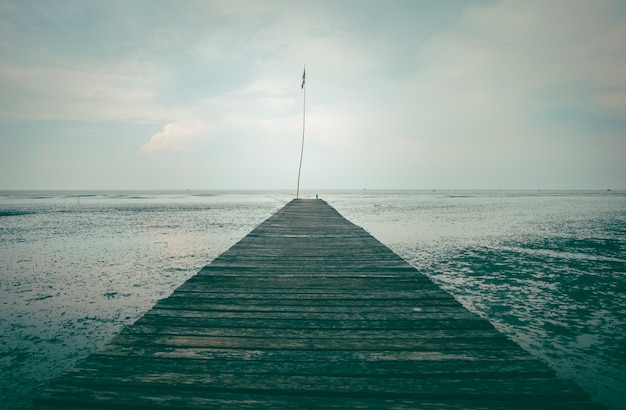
{"x": 183, "y": 94}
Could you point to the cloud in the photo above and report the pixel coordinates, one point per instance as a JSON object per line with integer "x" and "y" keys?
{"x": 534, "y": 56}
{"x": 81, "y": 92}
{"x": 408, "y": 86}
{"x": 178, "y": 136}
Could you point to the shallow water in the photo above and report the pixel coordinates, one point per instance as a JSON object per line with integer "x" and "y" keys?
{"x": 547, "y": 268}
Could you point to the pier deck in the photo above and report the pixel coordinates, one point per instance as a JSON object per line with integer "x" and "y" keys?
{"x": 310, "y": 311}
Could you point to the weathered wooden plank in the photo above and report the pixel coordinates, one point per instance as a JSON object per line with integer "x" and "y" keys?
{"x": 130, "y": 398}
{"x": 279, "y": 293}
{"x": 270, "y": 278}
{"x": 428, "y": 302}
{"x": 314, "y": 305}
{"x": 345, "y": 292}
{"x": 309, "y": 310}
{"x": 339, "y": 357}
{"x": 316, "y": 333}
{"x": 278, "y": 306}
{"x": 397, "y": 368}
{"x": 281, "y": 343}
{"x": 408, "y": 324}
{"x": 409, "y": 315}
{"x": 443, "y": 388}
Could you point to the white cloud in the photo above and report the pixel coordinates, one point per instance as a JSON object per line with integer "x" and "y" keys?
{"x": 82, "y": 92}
{"x": 535, "y": 55}
{"x": 178, "y": 136}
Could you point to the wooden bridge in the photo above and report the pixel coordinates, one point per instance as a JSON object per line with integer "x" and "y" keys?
{"x": 310, "y": 311}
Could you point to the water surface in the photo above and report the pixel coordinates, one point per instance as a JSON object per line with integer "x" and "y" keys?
{"x": 547, "y": 268}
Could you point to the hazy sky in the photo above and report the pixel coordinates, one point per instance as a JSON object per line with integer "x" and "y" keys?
{"x": 417, "y": 94}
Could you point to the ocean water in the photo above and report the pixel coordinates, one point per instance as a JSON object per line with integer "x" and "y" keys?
{"x": 546, "y": 268}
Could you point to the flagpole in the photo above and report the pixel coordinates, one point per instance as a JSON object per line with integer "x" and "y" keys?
{"x": 303, "y": 122}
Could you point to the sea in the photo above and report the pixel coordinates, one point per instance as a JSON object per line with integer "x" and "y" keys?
{"x": 547, "y": 268}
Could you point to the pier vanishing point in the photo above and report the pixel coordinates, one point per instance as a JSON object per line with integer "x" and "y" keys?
{"x": 310, "y": 311}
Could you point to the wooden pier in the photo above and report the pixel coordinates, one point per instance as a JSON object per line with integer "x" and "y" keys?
{"x": 310, "y": 311}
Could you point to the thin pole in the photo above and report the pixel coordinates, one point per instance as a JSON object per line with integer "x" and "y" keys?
{"x": 303, "y": 122}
